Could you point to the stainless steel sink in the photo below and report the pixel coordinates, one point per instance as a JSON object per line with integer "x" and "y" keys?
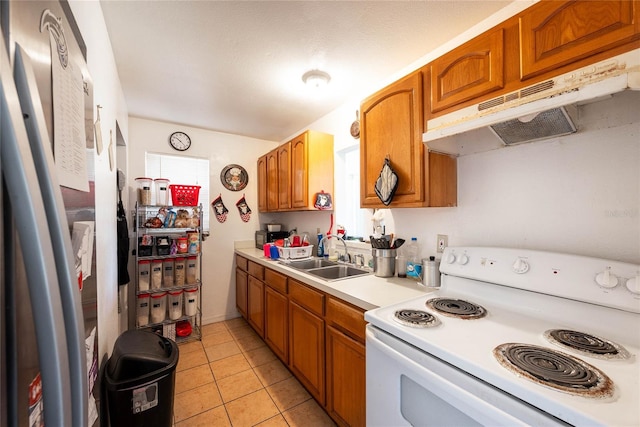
{"x": 308, "y": 264}
{"x": 337, "y": 272}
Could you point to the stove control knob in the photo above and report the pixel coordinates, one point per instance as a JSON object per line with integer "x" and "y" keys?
{"x": 606, "y": 279}
{"x": 633, "y": 284}
{"x": 463, "y": 259}
{"x": 521, "y": 266}
{"x": 451, "y": 258}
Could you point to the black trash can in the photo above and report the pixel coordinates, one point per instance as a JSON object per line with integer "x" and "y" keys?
{"x": 140, "y": 380}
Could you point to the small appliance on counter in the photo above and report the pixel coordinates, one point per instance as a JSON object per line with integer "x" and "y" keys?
{"x": 264, "y": 236}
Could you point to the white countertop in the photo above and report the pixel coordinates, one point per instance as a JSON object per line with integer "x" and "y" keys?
{"x": 367, "y": 292}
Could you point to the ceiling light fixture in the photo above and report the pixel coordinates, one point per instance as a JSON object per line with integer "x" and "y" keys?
{"x": 316, "y": 78}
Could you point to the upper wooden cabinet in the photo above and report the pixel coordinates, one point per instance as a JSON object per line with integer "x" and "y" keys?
{"x": 554, "y": 33}
{"x": 262, "y": 183}
{"x": 296, "y": 171}
{"x": 469, "y": 71}
{"x": 391, "y": 127}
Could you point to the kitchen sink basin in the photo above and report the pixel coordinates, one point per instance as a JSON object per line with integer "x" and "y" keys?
{"x": 308, "y": 264}
{"x": 337, "y": 272}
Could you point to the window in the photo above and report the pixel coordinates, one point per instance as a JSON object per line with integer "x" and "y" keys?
{"x": 182, "y": 170}
{"x": 348, "y": 212}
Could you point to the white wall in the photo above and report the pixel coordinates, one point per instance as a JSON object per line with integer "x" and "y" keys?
{"x": 218, "y": 302}
{"x": 107, "y": 93}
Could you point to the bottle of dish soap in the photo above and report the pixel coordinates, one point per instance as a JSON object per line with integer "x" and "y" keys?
{"x": 414, "y": 266}
{"x": 320, "y": 248}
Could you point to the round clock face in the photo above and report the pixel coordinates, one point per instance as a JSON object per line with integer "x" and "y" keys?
{"x": 180, "y": 141}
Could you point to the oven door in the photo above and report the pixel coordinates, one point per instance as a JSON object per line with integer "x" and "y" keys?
{"x": 406, "y": 386}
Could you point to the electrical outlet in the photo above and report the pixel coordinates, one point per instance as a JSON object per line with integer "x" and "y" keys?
{"x": 442, "y": 242}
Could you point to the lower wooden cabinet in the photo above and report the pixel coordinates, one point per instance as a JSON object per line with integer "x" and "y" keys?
{"x": 255, "y": 304}
{"x": 346, "y": 374}
{"x": 306, "y": 349}
{"x": 276, "y": 323}
{"x": 242, "y": 281}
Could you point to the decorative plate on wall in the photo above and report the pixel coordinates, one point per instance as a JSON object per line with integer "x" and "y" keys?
{"x": 234, "y": 177}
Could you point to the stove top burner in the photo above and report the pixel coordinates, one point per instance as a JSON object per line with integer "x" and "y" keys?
{"x": 415, "y": 318}
{"x": 586, "y": 344}
{"x": 554, "y": 369}
{"x": 457, "y": 308}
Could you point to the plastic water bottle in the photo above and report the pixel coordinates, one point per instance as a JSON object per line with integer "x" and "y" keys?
{"x": 320, "y": 248}
{"x": 414, "y": 265}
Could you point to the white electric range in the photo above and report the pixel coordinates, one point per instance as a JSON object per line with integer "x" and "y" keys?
{"x": 512, "y": 337}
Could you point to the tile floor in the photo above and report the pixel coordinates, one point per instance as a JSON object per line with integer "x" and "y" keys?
{"x": 231, "y": 378}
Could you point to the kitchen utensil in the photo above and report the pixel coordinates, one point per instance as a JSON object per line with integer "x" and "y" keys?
{"x": 397, "y": 243}
{"x": 355, "y": 126}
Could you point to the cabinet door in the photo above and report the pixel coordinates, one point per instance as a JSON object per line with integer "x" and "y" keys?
{"x": 241, "y": 291}
{"x": 255, "y": 305}
{"x": 346, "y": 375}
{"x": 284, "y": 176}
{"x": 299, "y": 172}
{"x": 306, "y": 349}
{"x": 469, "y": 71}
{"x": 272, "y": 180}
{"x": 276, "y": 326}
{"x": 392, "y": 128}
{"x": 557, "y": 33}
{"x": 262, "y": 184}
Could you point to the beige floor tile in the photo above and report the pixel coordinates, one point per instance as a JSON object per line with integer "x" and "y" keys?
{"x": 196, "y": 401}
{"x": 238, "y": 385}
{"x": 259, "y": 356}
{"x": 216, "y": 417}
{"x": 288, "y": 393}
{"x": 192, "y": 378}
{"x": 189, "y": 347}
{"x": 272, "y": 372}
{"x": 250, "y": 343}
{"x": 235, "y": 323}
{"x": 307, "y": 414}
{"x": 277, "y": 421}
{"x": 213, "y": 328}
{"x": 192, "y": 359}
{"x": 251, "y": 409}
{"x": 220, "y": 351}
{"x": 243, "y": 331}
{"x": 218, "y": 337}
{"x": 229, "y": 365}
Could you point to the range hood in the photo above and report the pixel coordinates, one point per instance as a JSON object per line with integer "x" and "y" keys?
{"x": 541, "y": 111}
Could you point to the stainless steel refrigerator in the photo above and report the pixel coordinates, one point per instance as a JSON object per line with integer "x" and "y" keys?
{"x": 48, "y": 298}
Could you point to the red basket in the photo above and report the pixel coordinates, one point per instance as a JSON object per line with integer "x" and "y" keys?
{"x": 184, "y": 195}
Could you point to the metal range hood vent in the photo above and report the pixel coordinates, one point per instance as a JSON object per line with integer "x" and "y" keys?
{"x": 535, "y": 112}
{"x": 548, "y": 124}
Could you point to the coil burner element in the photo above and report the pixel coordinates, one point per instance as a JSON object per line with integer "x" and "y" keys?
{"x": 586, "y": 344}
{"x": 457, "y": 308}
{"x": 554, "y": 369}
{"x": 415, "y": 318}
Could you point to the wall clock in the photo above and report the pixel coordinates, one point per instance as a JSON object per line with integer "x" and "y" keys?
{"x": 180, "y": 141}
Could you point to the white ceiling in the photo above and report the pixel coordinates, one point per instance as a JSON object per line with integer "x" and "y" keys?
{"x": 236, "y": 66}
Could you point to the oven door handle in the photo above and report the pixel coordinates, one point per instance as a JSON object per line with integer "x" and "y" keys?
{"x": 448, "y": 391}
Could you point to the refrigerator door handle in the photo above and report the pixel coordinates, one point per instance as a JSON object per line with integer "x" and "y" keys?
{"x": 59, "y": 228}
{"x": 24, "y": 194}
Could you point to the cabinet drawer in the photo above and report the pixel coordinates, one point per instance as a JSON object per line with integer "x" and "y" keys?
{"x": 276, "y": 280}
{"x": 256, "y": 270}
{"x": 345, "y": 317}
{"x": 241, "y": 263}
{"x": 308, "y": 298}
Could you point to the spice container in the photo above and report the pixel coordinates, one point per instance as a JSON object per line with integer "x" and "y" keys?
{"x": 156, "y": 274}
{"x": 167, "y": 272}
{"x": 144, "y": 270}
{"x": 162, "y": 191}
{"x": 191, "y": 301}
{"x": 192, "y": 270}
{"x": 175, "y": 304}
{"x": 144, "y": 190}
{"x": 142, "y": 309}
{"x": 158, "y": 307}
{"x": 180, "y": 271}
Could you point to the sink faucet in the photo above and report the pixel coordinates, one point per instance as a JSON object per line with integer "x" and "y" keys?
{"x": 346, "y": 251}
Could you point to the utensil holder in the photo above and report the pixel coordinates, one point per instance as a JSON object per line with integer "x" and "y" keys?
{"x": 384, "y": 264}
